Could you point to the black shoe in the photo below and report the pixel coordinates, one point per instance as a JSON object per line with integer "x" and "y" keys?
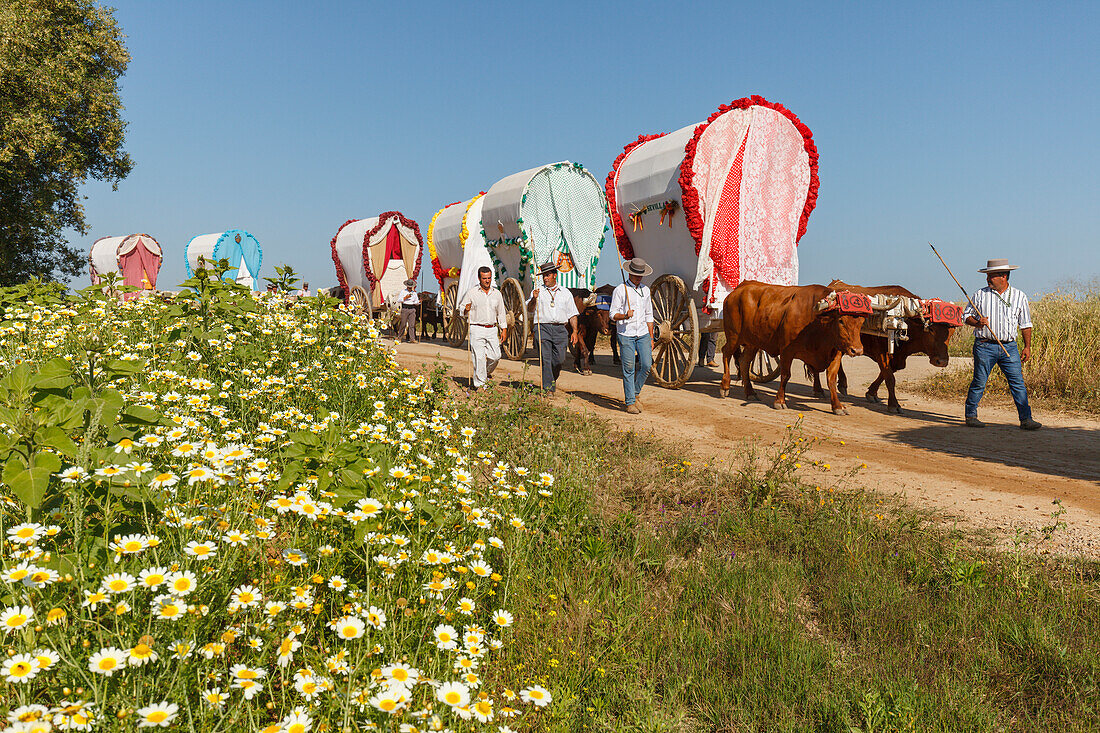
{"x": 1030, "y": 424}
{"x": 973, "y": 422}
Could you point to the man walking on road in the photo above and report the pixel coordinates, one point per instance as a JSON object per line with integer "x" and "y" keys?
{"x": 553, "y": 308}
{"x": 632, "y": 312}
{"x": 483, "y": 307}
{"x": 410, "y": 303}
{"x": 997, "y": 311}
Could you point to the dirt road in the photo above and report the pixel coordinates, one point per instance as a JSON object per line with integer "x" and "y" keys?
{"x": 999, "y": 477}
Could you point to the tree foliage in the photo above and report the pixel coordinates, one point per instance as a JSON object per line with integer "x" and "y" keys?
{"x": 60, "y": 124}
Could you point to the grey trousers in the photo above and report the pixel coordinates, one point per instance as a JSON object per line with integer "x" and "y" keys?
{"x": 553, "y": 343}
{"x": 406, "y": 328}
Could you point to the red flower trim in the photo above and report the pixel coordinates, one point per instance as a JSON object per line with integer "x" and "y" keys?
{"x": 382, "y": 219}
{"x": 341, "y": 276}
{"x": 437, "y": 269}
{"x": 626, "y": 249}
{"x": 690, "y": 195}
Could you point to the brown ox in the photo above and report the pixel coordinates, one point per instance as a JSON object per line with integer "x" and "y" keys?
{"x": 925, "y": 337}
{"x": 788, "y": 322}
{"x": 590, "y": 321}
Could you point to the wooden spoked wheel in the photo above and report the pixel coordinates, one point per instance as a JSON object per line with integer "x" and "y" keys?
{"x": 357, "y": 300}
{"x": 454, "y": 325}
{"x": 764, "y": 367}
{"x": 516, "y": 344}
{"x": 676, "y": 322}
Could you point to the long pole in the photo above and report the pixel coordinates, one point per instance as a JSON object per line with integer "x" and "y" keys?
{"x": 968, "y": 300}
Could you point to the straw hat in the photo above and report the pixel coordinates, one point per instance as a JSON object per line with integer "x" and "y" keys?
{"x": 637, "y": 266}
{"x": 547, "y": 268}
{"x": 998, "y": 266}
{"x": 410, "y": 283}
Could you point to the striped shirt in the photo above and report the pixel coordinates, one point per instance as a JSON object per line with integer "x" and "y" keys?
{"x": 1007, "y": 312}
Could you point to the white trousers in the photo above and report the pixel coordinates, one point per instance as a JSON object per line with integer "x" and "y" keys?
{"x": 485, "y": 352}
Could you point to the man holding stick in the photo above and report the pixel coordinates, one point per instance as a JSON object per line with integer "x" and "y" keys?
{"x": 483, "y": 307}
{"x": 997, "y": 311}
{"x": 632, "y": 312}
{"x": 553, "y": 307}
{"x": 410, "y": 303}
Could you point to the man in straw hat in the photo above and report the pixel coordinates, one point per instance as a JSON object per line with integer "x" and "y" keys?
{"x": 483, "y": 307}
{"x": 553, "y": 308}
{"x": 997, "y": 311}
{"x": 410, "y": 303}
{"x": 632, "y": 313}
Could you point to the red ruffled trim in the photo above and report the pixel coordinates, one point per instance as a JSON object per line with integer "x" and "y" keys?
{"x": 341, "y": 277}
{"x": 437, "y": 269}
{"x": 626, "y": 249}
{"x": 690, "y": 195}
{"x": 382, "y": 219}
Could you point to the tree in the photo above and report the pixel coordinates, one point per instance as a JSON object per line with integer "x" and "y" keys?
{"x": 60, "y": 124}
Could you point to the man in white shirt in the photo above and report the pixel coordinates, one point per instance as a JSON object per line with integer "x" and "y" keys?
{"x": 483, "y": 307}
{"x": 553, "y": 308}
{"x": 304, "y": 292}
{"x": 409, "y": 300}
{"x": 996, "y": 312}
{"x": 632, "y": 313}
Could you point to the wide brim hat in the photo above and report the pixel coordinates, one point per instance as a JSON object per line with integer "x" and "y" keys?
{"x": 637, "y": 266}
{"x": 410, "y": 283}
{"x": 998, "y": 266}
{"x": 547, "y": 267}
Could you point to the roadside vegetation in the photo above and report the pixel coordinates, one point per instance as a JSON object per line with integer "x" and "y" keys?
{"x": 667, "y": 596}
{"x": 1064, "y": 371}
{"x": 230, "y": 512}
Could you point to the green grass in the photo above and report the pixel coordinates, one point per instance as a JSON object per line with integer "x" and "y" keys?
{"x": 1063, "y": 373}
{"x": 665, "y": 596}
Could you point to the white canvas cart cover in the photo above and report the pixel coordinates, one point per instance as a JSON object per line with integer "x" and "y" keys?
{"x": 555, "y": 212}
{"x": 137, "y": 257}
{"x": 445, "y": 242}
{"x": 240, "y": 248}
{"x": 719, "y": 202}
{"x": 474, "y": 252}
{"x": 377, "y": 254}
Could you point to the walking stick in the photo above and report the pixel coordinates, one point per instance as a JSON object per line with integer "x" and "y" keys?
{"x": 968, "y": 300}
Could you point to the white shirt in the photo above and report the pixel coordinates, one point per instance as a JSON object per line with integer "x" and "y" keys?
{"x": 1007, "y": 312}
{"x": 304, "y": 292}
{"x": 640, "y": 303}
{"x": 485, "y": 307}
{"x": 408, "y": 297}
{"x": 555, "y": 305}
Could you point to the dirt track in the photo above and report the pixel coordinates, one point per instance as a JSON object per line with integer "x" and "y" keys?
{"x": 1000, "y": 477}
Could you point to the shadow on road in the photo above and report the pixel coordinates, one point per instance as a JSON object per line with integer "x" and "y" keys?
{"x": 1077, "y": 455}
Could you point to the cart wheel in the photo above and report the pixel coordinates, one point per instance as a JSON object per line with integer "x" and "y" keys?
{"x": 764, "y": 367}
{"x": 357, "y": 300}
{"x": 676, "y": 323}
{"x": 454, "y": 325}
{"x": 516, "y": 344}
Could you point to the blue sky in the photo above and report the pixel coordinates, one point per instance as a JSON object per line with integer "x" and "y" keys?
{"x": 971, "y": 125}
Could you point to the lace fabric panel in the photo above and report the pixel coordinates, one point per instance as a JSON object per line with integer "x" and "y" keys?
{"x": 774, "y": 185}
{"x": 714, "y": 157}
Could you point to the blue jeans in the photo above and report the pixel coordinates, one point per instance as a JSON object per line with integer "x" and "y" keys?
{"x": 634, "y": 376}
{"x": 986, "y": 354}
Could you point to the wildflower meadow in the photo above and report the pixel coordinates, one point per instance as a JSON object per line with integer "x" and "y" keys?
{"x": 228, "y": 512}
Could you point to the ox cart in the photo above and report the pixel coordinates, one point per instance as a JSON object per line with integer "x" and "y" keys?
{"x": 373, "y": 258}
{"x": 454, "y": 243}
{"x": 552, "y": 213}
{"x": 709, "y": 206}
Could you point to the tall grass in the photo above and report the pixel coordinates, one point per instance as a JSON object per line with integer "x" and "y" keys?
{"x": 1064, "y": 370}
{"x": 665, "y": 596}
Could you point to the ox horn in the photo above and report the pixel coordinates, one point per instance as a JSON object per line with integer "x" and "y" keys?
{"x": 825, "y": 303}
{"x": 888, "y": 306}
{"x": 589, "y": 301}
